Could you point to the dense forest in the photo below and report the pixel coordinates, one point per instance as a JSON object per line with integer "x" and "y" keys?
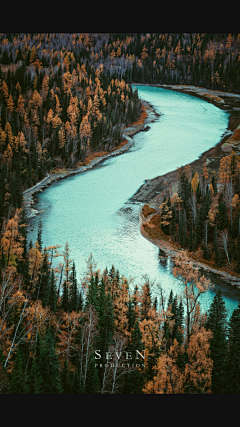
{"x": 95, "y": 336}
{"x": 203, "y": 216}
{"x": 64, "y": 97}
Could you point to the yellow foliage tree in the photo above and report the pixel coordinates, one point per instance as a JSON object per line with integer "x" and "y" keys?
{"x": 11, "y": 241}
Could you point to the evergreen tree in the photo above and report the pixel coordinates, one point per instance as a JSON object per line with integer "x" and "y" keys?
{"x": 44, "y": 279}
{"x": 106, "y": 326}
{"x": 73, "y": 293}
{"x": 66, "y": 378}
{"x": 222, "y": 215}
{"x": 92, "y": 295}
{"x": 49, "y": 365}
{"x": 217, "y": 323}
{"x": 134, "y": 380}
{"x": 65, "y": 297}
{"x": 18, "y": 381}
{"x": 238, "y": 254}
{"x": 232, "y": 369}
{"x": 77, "y": 387}
{"x": 92, "y": 385}
{"x": 131, "y": 315}
{"x": 35, "y": 380}
{"x": 39, "y": 236}
{"x": 216, "y": 247}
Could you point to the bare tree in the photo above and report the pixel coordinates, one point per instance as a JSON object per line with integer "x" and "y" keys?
{"x": 11, "y": 295}
{"x": 88, "y": 329}
{"x": 195, "y": 284}
{"x": 224, "y": 242}
{"x": 228, "y": 196}
{"x": 115, "y": 368}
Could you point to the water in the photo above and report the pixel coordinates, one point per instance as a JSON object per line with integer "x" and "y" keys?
{"x": 91, "y": 211}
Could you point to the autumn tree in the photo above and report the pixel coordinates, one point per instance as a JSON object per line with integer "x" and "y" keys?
{"x": 195, "y": 284}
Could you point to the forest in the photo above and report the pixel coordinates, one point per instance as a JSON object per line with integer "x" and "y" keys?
{"x": 64, "y": 97}
{"x": 203, "y": 216}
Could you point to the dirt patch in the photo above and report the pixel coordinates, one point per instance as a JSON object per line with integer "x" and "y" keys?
{"x": 147, "y": 210}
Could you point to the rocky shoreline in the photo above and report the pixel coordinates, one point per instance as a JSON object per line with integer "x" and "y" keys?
{"x": 151, "y": 191}
{"x": 129, "y": 132}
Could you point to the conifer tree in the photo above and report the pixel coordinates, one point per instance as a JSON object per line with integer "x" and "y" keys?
{"x": 92, "y": 385}
{"x": 18, "y": 381}
{"x": 92, "y": 294}
{"x": 134, "y": 380}
{"x": 65, "y": 297}
{"x": 106, "y": 324}
{"x": 232, "y": 384}
{"x": 51, "y": 297}
{"x": 73, "y": 292}
{"x": 217, "y": 323}
{"x": 35, "y": 378}
{"x": 49, "y": 365}
{"x": 66, "y": 378}
{"x": 39, "y": 236}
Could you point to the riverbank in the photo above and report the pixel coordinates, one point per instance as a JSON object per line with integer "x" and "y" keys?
{"x": 228, "y": 102}
{"x": 148, "y": 115}
{"x": 152, "y": 191}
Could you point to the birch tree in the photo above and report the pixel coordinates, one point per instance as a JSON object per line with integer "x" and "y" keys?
{"x": 195, "y": 285}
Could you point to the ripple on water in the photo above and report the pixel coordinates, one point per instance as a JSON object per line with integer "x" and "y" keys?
{"x": 91, "y": 212}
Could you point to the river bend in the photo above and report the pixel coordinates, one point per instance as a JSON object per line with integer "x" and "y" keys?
{"x": 91, "y": 211}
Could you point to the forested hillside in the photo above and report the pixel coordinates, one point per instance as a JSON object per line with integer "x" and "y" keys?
{"x": 203, "y": 216}
{"x": 64, "y": 97}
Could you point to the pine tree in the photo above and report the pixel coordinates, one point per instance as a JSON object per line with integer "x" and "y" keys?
{"x": 222, "y": 216}
{"x": 131, "y": 315}
{"x": 73, "y": 292}
{"x": 238, "y": 254}
{"x": 35, "y": 380}
{"x": 4, "y": 380}
{"x": 92, "y": 385}
{"x": 167, "y": 333}
{"x": 39, "y": 236}
{"x": 65, "y": 297}
{"x": 134, "y": 380}
{"x": 77, "y": 387}
{"x": 232, "y": 369}
{"x": 216, "y": 247}
{"x": 92, "y": 295}
{"x": 18, "y": 380}
{"x": 66, "y": 378}
{"x": 49, "y": 365}
{"x": 106, "y": 326}
{"x": 44, "y": 279}
{"x": 217, "y": 323}
{"x": 51, "y": 296}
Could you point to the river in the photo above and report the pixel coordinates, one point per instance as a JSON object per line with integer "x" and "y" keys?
{"x": 91, "y": 211}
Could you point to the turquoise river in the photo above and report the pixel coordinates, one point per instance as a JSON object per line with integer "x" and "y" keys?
{"x": 92, "y": 211}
